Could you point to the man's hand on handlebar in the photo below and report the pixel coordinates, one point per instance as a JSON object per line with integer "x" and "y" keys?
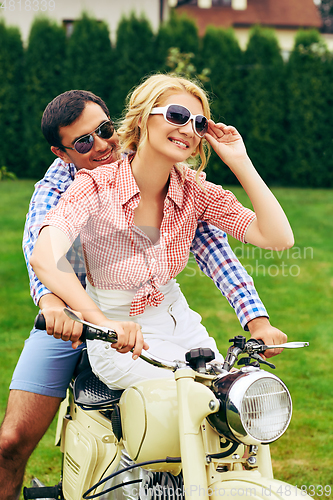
{"x": 57, "y": 323}
{"x": 261, "y": 329}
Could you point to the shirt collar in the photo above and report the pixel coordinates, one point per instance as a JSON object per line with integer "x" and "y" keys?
{"x": 129, "y": 188}
{"x": 72, "y": 170}
{"x": 127, "y": 184}
{"x": 175, "y": 191}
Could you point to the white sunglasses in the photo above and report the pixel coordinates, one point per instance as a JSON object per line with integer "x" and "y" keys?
{"x": 175, "y": 114}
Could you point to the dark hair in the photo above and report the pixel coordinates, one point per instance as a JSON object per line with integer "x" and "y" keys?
{"x": 64, "y": 110}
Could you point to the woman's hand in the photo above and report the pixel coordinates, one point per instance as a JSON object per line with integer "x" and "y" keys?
{"x": 226, "y": 142}
{"x": 129, "y": 337}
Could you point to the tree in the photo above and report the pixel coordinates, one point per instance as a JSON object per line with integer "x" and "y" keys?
{"x": 44, "y": 80}
{"x": 181, "y": 64}
{"x": 180, "y": 32}
{"x": 12, "y": 151}
{"x": 263, "y": 105}
{"x": 309, "y": 112}
{"x": 326, "y": 11}
{"x": 134, "y": 58}
{"x": 89, "y": 58}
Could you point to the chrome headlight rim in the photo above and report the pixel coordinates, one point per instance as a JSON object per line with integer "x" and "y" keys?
{"x": 231, "y": 389}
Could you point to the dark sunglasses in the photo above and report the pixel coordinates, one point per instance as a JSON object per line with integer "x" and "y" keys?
{"x": 179, "y": 115}
{"x": 84, "y": 144}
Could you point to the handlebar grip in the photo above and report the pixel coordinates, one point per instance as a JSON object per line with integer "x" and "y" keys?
{"x": 40, "y": 323}
{"x": 87, "y": 332}
{"x": 41, "y": 492}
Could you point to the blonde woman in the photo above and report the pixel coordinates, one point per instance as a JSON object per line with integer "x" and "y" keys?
{"x": 136, "y": 219}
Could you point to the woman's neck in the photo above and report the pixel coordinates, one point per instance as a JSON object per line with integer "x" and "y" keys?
{"x": 151, "y": 174}
{"x": 152, "y": 178}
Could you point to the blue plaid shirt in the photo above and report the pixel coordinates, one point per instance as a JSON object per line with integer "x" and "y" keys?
{"x": 210, "y": 248}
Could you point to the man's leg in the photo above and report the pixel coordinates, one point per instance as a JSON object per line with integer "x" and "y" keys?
{"x": 27, "y": 418}
{"x": 39, "y": 383}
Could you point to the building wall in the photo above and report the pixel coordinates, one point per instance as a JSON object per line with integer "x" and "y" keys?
{"x": 22, "y": 12}
{"x": 286, "y": 38}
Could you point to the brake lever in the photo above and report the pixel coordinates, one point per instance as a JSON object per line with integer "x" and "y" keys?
{"x": 252, "y": 347}
{"x": 258, "y": 358}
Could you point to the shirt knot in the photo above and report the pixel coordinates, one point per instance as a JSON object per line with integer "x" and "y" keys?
{"x": 147, "y": 295}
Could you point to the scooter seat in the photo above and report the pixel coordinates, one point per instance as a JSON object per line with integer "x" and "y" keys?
{"x": 91, "y": 393}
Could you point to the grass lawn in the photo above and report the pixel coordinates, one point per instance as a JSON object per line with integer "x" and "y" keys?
{"x": 296, "y": 286}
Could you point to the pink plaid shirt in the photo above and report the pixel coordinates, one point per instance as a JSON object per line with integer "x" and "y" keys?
{"x": 99, "y": 206}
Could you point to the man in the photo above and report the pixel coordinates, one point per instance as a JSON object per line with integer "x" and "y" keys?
{"x": 47, "y": 363}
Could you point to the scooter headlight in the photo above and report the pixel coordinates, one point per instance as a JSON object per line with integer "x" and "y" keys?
{"x": 255, "y": 407}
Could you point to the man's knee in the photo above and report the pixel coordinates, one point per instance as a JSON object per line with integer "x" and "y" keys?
{"x": 15, "y": 443}
{"x": 27, "y": 418}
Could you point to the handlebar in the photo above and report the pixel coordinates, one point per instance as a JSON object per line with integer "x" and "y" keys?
{"x": 94, "y": 332}
{"x": 198, "y": 361}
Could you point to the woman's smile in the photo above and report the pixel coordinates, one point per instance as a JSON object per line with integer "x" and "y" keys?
{"x": 180, "y": 143}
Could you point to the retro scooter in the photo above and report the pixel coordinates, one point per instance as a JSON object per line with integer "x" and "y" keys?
{"x": 203, "y": 433}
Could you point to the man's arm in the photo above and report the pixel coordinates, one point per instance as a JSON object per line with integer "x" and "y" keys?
{"x": 46, "y": 196}
{"x": 216, "y": 259}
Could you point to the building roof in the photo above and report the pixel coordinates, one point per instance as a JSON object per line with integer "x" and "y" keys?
{"x": 287, "y": 14}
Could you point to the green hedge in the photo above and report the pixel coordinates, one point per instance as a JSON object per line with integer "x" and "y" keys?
{"x": 43, "y": 79}
{"x": 309, "y": 113}
{"x": 282, "y": 109}
{"x": 12, "y": 152}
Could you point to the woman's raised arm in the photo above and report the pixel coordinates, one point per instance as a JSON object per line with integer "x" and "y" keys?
{"x": 271, "y": 228}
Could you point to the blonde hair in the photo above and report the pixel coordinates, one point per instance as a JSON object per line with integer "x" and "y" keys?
{"x": 152, "y": 93}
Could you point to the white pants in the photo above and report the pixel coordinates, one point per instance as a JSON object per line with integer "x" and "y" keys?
{"x": 171, "y": 329}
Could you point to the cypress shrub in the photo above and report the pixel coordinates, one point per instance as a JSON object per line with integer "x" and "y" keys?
{"x": 263, "y": 103}
{"x": 309, "y": 112}
{"x": 221, "y": 54}
{"x": 89, "y": 58}
{"x": 134, "y": 58}
{"x": 327, "y": 153}
{"x": 178, "y": 31}
{"x": 44, "y": 79}
{"x": 12, "y": 153}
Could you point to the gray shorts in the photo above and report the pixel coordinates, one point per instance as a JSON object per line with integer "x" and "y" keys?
{"x": 46, "y": 365}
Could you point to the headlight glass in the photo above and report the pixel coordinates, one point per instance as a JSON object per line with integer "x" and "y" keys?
{"x": 266, "y": 409}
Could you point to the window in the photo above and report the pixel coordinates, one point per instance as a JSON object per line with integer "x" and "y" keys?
{"x": 215, "y": 3}
{"x": 221, "y": 3}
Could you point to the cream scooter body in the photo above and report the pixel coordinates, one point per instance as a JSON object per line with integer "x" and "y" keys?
{"x": 182, "y": 430}
{"x": 170, "y": 424}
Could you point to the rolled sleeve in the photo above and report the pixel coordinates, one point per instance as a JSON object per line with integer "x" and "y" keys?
{"x": 221, "y": 208}
{"x": 216, "y": 259}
